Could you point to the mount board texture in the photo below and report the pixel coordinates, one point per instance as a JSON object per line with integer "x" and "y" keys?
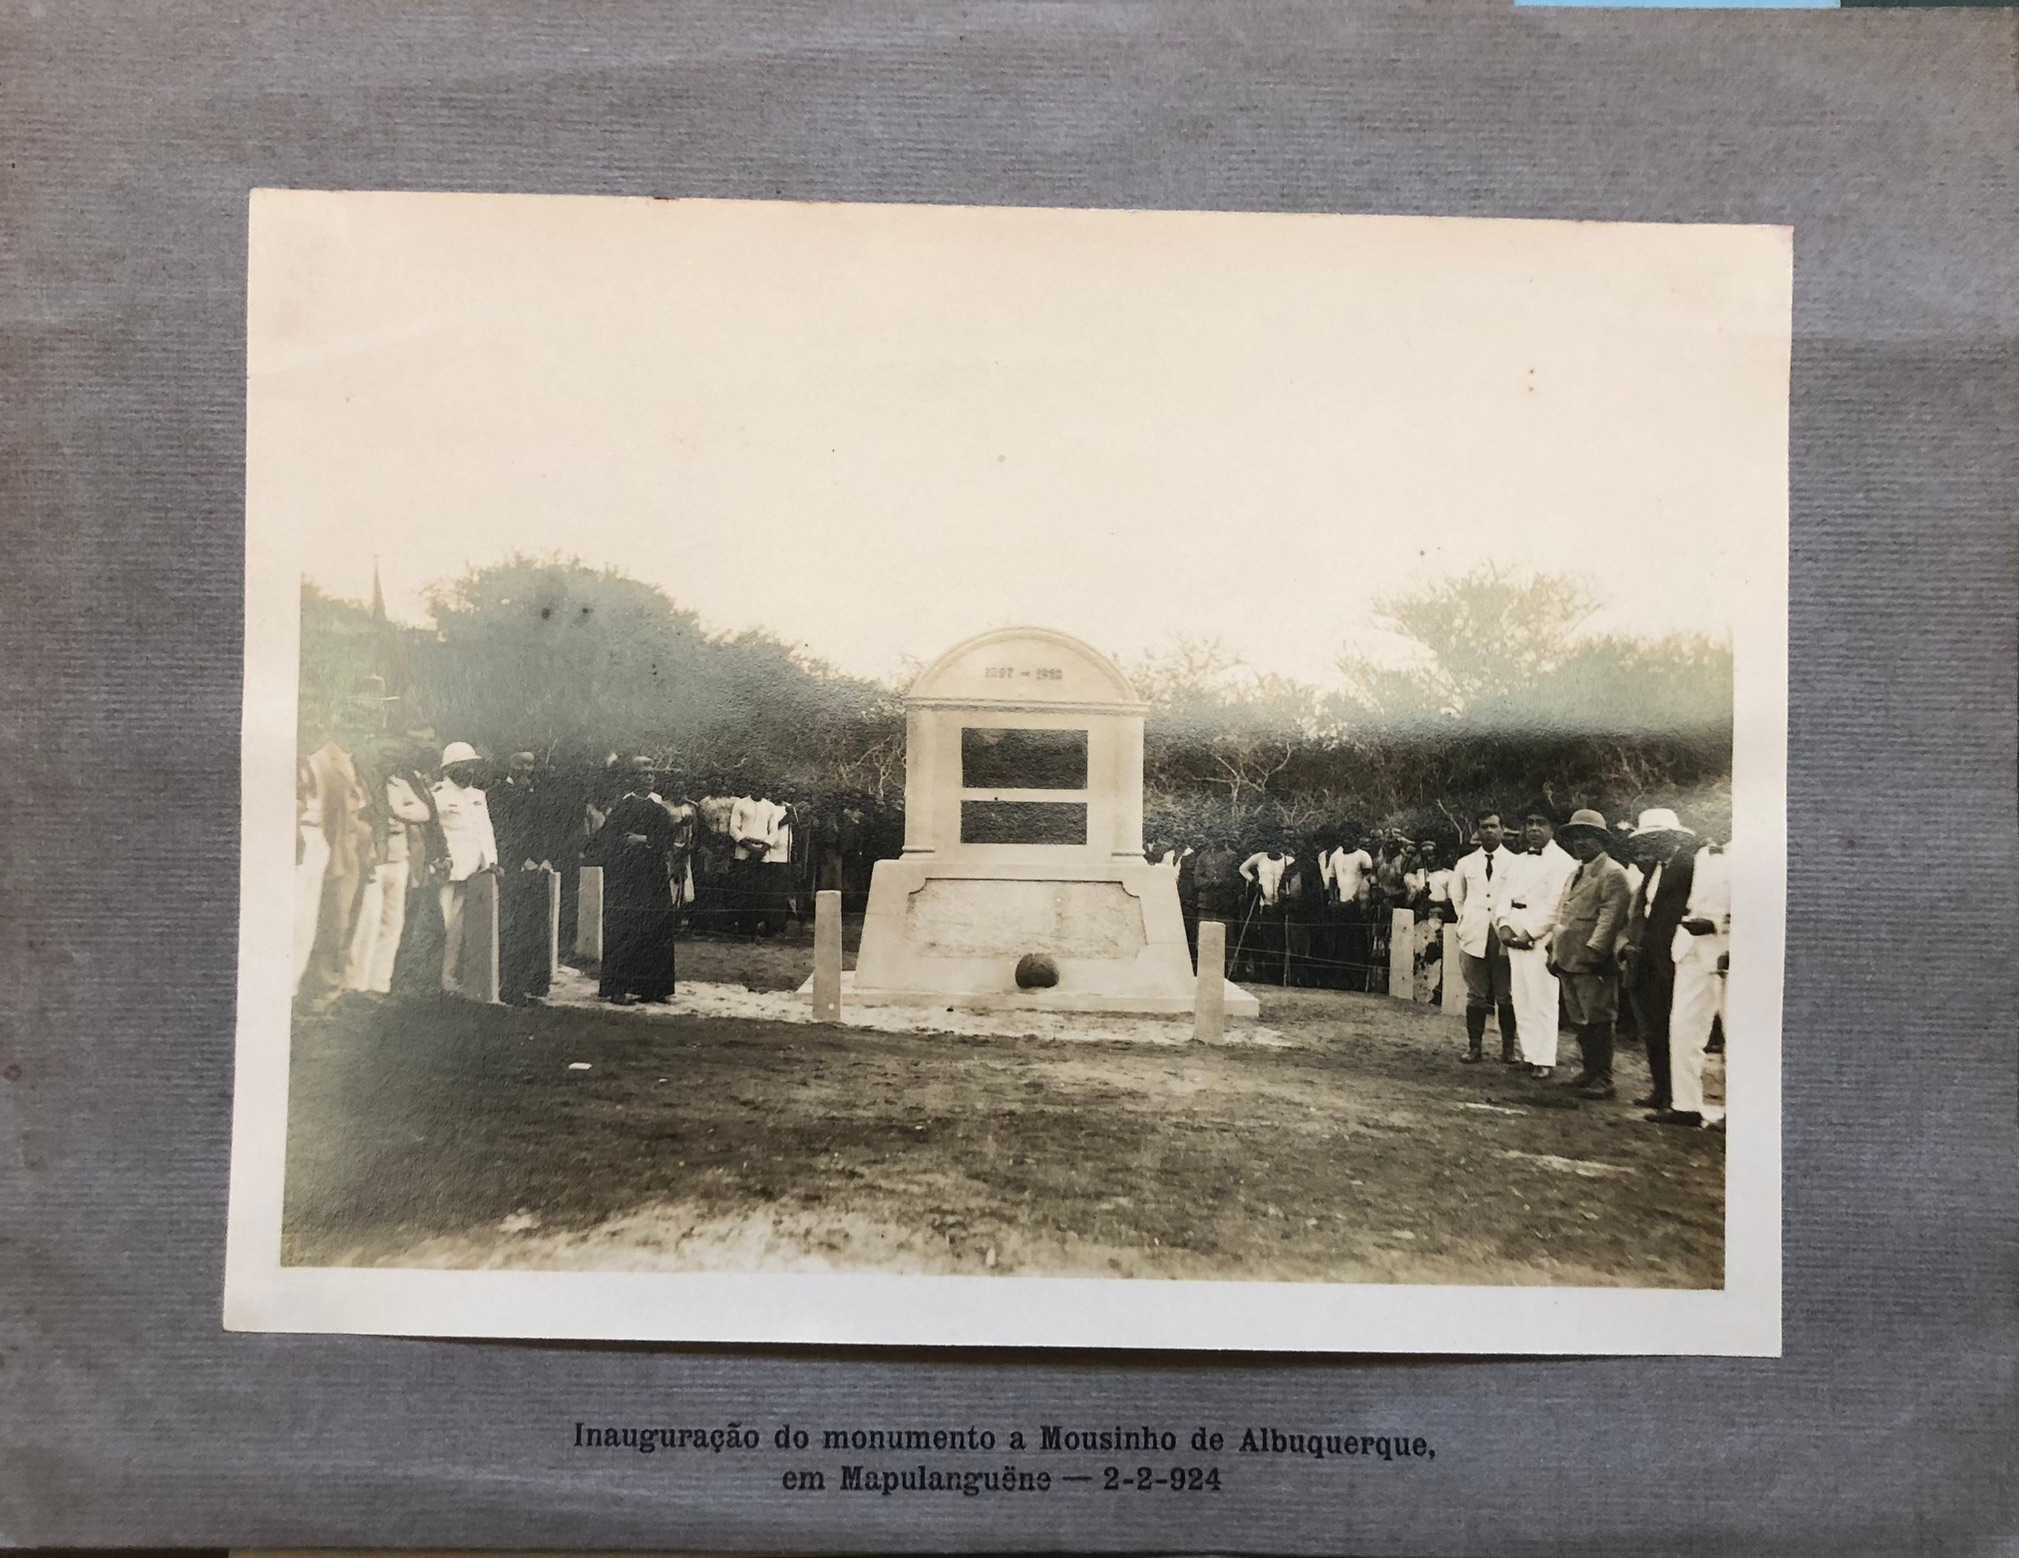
{"x": 1888, "y": 139}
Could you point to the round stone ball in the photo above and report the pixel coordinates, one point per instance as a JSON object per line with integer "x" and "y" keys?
{"x": 1036, "y": 971}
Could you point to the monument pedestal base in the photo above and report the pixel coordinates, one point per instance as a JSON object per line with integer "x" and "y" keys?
{"x": 949, "y": 932}
{"x": 1240, "y": 1004}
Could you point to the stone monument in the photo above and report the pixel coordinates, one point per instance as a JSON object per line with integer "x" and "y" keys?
{"x": 1023, "y": 844}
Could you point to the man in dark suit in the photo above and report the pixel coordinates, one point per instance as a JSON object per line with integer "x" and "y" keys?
{"x": 1658, "y": 908}
{"x": 525, "y": 865}
{"x": 1590, "y": 921}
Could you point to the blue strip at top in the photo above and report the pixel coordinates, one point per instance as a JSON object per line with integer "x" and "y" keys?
{"x": 1689, "y": 5}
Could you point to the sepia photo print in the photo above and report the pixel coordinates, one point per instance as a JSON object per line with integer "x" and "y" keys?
{"x": 1011, "y": 777}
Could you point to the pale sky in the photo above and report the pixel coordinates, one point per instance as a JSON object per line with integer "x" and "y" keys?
{"x": 877, "y": 430}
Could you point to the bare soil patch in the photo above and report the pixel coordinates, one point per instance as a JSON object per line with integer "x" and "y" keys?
{"x": 1357, "y": 1148}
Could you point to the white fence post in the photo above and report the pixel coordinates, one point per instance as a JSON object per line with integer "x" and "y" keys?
{"x": 827, "y": 956}
{"x": 1209, "y": 1010}
{"x": 553, "y": 925}
{"x": 589, "y": 916}
{"x": 1402, "y": 955}
{"x": 1454, "y": 975}
{"x": 480, "y": 938}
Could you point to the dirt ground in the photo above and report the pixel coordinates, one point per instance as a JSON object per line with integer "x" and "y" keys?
{"x": 1354, "y": 1148}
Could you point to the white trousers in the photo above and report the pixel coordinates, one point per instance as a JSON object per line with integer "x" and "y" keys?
{"x": 1535, "y": 1002}
{"x": 382, "y": 920}
{"x": 452, "y": 934}
{"x": 308, "y": 896}
{"x": 1699, "y": 992}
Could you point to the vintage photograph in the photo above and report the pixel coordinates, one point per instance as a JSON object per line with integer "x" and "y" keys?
{"x": 910, "y": 774}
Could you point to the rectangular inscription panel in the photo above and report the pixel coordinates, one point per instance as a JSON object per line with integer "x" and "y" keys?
{"x": 1023, "y": 759}
{"x": 1023, "y": 822}
{"x": 966, "y": 919}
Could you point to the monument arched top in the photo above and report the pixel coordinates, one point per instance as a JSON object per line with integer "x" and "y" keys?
{"x": 1025, "y": 667}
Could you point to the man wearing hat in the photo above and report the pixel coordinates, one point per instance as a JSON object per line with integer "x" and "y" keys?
{"x": 1700, "y": 952}
{"x": 465, "y": 819}
{"x": 1535, "y": 889}
{"x": 1590, "y": 921}
{"x": 1658, "y": 908}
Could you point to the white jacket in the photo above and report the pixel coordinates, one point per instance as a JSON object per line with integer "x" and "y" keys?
{"x": 404, "y": 809}
{"x": 750, "y": 826}
{"x": 1482, "y": 904}
{"x": 1710, "y": 899}
{"x": 465, "y": 816}
{"x": 1537, "y": 885}
{"x": 780, "y": 851}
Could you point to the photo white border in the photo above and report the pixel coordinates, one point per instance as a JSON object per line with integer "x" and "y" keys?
{"x": 1742, "y": 1319}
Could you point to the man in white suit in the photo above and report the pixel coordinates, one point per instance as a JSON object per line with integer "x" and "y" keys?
{"x": 1699, "y": 949}
{"x": 1535, "y": 888}
{"x": 1481, "y": 891}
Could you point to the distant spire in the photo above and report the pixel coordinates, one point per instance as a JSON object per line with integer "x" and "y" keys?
{"x": 378, "y": 593}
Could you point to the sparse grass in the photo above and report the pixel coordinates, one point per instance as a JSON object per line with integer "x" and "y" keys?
{"x": 1347, "y": 1157}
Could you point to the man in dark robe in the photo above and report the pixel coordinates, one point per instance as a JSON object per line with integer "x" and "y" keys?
{"x": 637, "y": 842}
{"x": 525, "y": 864}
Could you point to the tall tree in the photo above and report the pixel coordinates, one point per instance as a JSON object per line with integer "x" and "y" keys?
{"x": 552, "y": 654}
{"x": 1500, "y": 696}
{"x": 1217, "y": 724}
{"x": 1477, "y": 648}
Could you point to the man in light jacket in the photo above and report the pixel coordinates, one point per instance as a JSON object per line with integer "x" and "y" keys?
{"x": 403, "y": 815}
{"x": 1583, "y": 952}
{"x": 1538, "y": 879}
{"x": 342, "y": 811}
{"x": 1480, "y": 891}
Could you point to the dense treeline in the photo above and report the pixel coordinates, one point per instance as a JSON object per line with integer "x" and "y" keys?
{"x": 1491, "y": 695}
{"x": 575, "y": 663}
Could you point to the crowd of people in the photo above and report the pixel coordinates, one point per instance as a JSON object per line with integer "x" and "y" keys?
{"x": 1315, "y": 911}
{"x": 1588, "y": 927}
{"x": 391, "y": 832}
{"x": 1602, "y": 930}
